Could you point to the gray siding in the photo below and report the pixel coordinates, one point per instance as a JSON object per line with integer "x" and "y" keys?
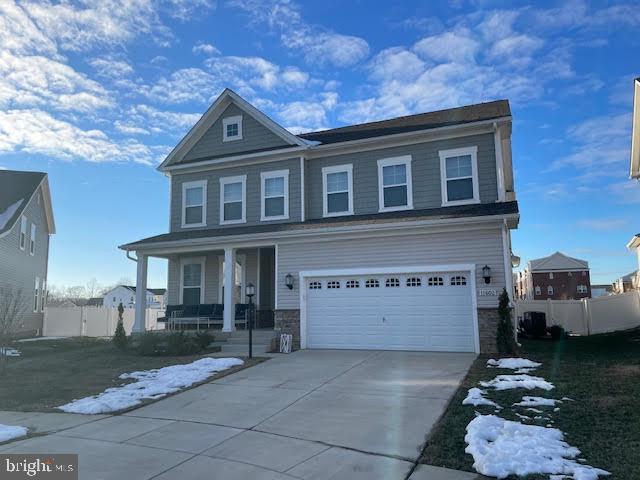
{"x": 18, "y": 269}
{"x": 253, "y": 192}
{"x": 425, "y": 168}
{"x": 255, "y": 136}
{"x": 477, "y": 247}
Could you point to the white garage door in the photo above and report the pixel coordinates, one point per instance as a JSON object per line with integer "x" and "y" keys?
{"x": 418, "y": 311}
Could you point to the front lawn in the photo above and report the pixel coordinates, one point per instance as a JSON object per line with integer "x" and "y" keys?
{"x": 601, "y": 373}
{"x": 50, "y": 373}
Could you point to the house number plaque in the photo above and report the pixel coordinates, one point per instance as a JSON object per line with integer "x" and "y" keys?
{"x": 488, "y": 292}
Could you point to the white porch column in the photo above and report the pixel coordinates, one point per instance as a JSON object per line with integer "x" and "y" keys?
{"x": 139, "y": 325}
{"x": 229, "y": 323}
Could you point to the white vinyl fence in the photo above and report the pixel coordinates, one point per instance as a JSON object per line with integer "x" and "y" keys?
{"x": 93, "y": 321}
{"x": 588, "y": 316}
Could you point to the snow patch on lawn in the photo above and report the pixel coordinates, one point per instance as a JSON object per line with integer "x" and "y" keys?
{"x": 8, "y": 432}
{"x": 37, "y": 339}
{"x": 150, "y": 384}
{"x": 9, "y": 352}
{"x": 513, "y": 363}
{"x": 476, "y": 397}
{"x": 501, "y": 448}
{"x": 537, "y": 402}
{"x": 507, "y": 382}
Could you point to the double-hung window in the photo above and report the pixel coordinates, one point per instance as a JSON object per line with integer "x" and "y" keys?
{"x": 233, "y": 203}
{"x": 192, "y": 282}
{"x": 32, "y": 240}
{"x": 194, "y": 204}
{"x": 232, "y": 128}
{"x": 459, "y": 176}
{"x": 36, "y": 295}
{"x": 337, "y": 190}
{"x": 275, "y": 195}
{"x": 394, "y": 184}
{"x": 23, "y": 232}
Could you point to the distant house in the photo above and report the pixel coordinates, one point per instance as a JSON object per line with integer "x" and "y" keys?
{"x": 94, "y": 302}
{"x": 556, "y": 277}
{"x": 627, "y": 282}
{"x": 634, "y": 171}
{"x": 126, "y": 294}
{"x": 26, "y": 221}
{"x": 601, "y": 290}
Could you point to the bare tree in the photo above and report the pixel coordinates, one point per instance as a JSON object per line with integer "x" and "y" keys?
{"x": 12, "y": 306}
{"x": 92, "y": 288}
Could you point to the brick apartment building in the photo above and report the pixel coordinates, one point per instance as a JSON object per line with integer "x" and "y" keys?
{"x": 556, "y": 277}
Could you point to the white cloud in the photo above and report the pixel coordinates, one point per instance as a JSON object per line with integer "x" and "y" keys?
{"x": 144, "y": 119}
{"x": 455, "y": 46}
{"x": 295, "y": 77}
{"x": 396, "y": 63}
{"x": 111, "y": 67}
{"x": 35, "y": 131}
{"x": 185, "y": 10}
{"x": 319, "y": 46}
{"x": 185, "y": 85}
{"x": 205, "y": 48}
{"x": 604, "y": 224}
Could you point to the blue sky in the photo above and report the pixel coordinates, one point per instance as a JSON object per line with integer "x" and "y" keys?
{"x": 97, "y": 94}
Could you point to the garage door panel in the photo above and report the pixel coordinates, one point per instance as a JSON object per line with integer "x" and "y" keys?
{"x": 410, "y": 316}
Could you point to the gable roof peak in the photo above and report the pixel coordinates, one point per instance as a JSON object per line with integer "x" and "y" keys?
{"x": 558, "y": 261}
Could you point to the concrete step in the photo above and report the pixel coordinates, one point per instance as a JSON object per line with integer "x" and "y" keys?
{"x": 244, "y": 349}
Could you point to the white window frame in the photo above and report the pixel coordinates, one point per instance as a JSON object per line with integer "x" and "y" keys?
{"x": 228, "y": 121}
{"x": 32, "y": 240}
{"x": 225, "y": 181}
{"x": 43, "y": 293}
{"x": 22, "y": 238}
{"x": 582, "y": 288}
{"x": 387, "y": 162}
{"x": 264, "y": 176}
{"x": 192, "y": 261}
{"x": 537, "y": 290}
{"x": 195, "y": 184}
{"x": 457, "y": 152}
{"x": 550, "y": 290}
{"x": 337, "y": 169}
{"x": 36, "y": 295}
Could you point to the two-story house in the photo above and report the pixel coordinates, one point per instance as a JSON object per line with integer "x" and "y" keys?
{"x": 385, "y": 235}
{"x": 126, "y": 294}
{"x": 26, "y": 221}
{"x": 634, "y": 171}
{"x": 556, "y": 277}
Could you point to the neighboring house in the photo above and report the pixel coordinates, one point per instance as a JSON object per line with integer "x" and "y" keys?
{"x": 556, "y": 277}
{"x": 95, "y": 302}
{"x": 26, "y": 221}
{"x": 626, "y": 283}
{"x": 126, "y": 294}
{"x": 601, "y": 290}
{"x": 371, "y": 236}
{"x": 635, "y": 132}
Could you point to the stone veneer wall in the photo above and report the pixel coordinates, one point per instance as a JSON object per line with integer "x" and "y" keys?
{"x": 487, "y": 328}
{"x": 286, "y": 321}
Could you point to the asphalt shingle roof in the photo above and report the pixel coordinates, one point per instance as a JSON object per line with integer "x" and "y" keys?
{"x": 16, "y": 188}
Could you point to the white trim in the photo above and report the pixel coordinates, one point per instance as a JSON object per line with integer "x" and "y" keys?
{"x": 230, "y": 121}
{"x": 32, "y": 240}
{"x": 225, "y": 181}
{"x": 497, "y": 141}
{"x": 337, "y": 169}
{"x": 23, "y": 233}
{"x": 303, "y": 275}
{"x": 508, "y": 269}
{"x": 258, "y": 260}
{"x": 242, "y": 260}
{"x": 302, "y": 199}
{"x": 386, "y": 162}
{"x": 457, "y": 152}
{"x": 195, "y": 184}
{"x": 191, "y": 261}
{"x": 36, "y": 295}
{"x": 275, "y": 283}
{"x": 274, "y": 174}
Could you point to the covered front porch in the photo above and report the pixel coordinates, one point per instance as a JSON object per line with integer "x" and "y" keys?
{"x": 204, "y": 293}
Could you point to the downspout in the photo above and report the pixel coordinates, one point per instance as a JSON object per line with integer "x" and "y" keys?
{"x": 130, "y": 257}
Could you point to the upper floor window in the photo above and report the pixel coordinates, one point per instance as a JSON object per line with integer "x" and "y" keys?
{"x": 275, "y": 195}
{"x": 538, "y": 290}
{"x": 582, "y": 289}
{"x": 194, "y": 205}
{"x": 394, "y": 184}
{"x": 550, "y": 275}
{"x": 233, "y": 194}
{"x": 36, "y": 295}
{"x": 337, "y": 188}
{"x": 459, "y": 176}
{"x": 584, "y": 273}
{"x": 23, "y": 232}
{"x": 549, "y": 290}
{"x": 232, "y": 128}
{"x": 32, "y": 241}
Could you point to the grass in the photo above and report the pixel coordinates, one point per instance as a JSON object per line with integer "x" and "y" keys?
{"x": 601, "y": 373}
{"x": 50, "y": 373}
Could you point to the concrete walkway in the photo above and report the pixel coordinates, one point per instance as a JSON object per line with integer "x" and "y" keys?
{"x": 311, "y": 415}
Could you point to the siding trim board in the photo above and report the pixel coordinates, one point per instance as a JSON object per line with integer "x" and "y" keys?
{"x": 303, "y": 275}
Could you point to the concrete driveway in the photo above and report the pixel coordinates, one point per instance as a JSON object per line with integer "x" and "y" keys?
{"x": 311, "y": 415}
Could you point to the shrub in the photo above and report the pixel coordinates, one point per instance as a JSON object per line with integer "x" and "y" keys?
{"x": 120, "y": 336}
{"x": 505, "y": 338}
{"x": 557, "y": 332}
{"x": 179, "y": 343}
{"x": 173, "y": 343}
{"x": 149, "y": 344}
{"x": 204, "y": 338}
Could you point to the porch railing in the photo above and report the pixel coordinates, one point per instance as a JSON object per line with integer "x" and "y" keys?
{"x": 212, "y": 314}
